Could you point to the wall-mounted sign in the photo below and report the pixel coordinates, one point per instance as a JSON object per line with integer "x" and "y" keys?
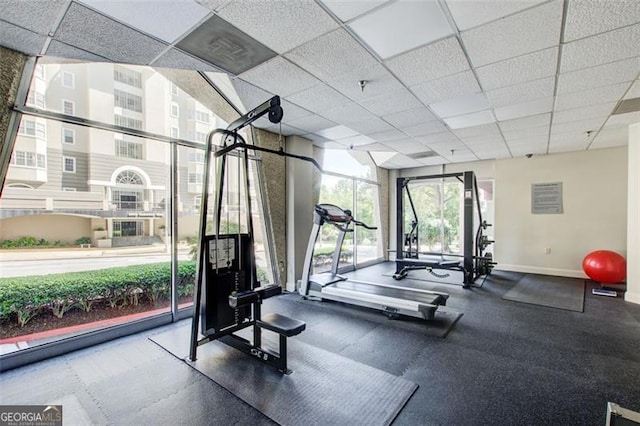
{"x": 546, "y": 198}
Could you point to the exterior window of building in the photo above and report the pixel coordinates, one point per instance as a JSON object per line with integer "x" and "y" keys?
{"x": 68, "y": 79}
{"x": 127, "y": 76}
{"x": 201, "y": 137}
{"x": 202, "y": 116}
{"x": 42, "y": 161}
{"x": 27, "y": 128}
{"x": 175, "y": 132}
{"x": 127, "y": 100}
{"x": 197, "y": 202}
{"x": 196, "y": 157}
{"x": 128, "y": 149}
{"x": 68, "y": 136}
{"x": 175, "y": 110}
{"x": 68, "y": 107}
{"x": 35, "y": 98}
{"x": 39, "y": 71}
{"x": 69, "y": 164}
{"x": 128, "y": 228}
{"x": 195, "y": 177}
{"x": 41, "y": 131}
{"x": 130, "y": 123}
{"x": 129, "y": 178}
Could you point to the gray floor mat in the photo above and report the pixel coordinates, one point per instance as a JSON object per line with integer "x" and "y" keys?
{"x": 324, "y": 388}
{"x": 554, "y": 292}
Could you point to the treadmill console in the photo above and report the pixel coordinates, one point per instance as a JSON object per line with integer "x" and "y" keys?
{"x": 331, "y": 213}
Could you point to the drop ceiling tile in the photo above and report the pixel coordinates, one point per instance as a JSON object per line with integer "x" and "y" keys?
{"x": 534, "y": 147}
{"x": 311, "y": 123}
{"x": 483, "y": 141}
{"x": 292, "y": 111}
{"x": 602, "y": 75}
{"x": 36, "y": 16}
{"x": 406, "y": 146}
{"x": 445, "y": 137}
{"x": 529, "y": 67}
{"x": 581, "y": 126}
{"x": 87, "y": 30}
{"x": 560, "y": 146}
{"x": 422, "y": 23}
{"x": 594, "y": 111}
{"x": 378, "y": 80}
{"x": 493, "y": 153}
{"x": 372, "y": 125}
{"x": 280, "y": 76}
{"x": 634, "y": 92}
{"x": 460, "y": 105}
{"x": 469, "y": 120}
{"x": 528, "y": 31}
{"x": 382, "y": 157}
{"x": 21, "y": 40}
{"x": 292, "y": 26}
{"x": 531, "y": 122}
{"x": 521, "y": 92}
{"x": 337, "y": 132}
{"x": 409, "y": 118}
{"x": 57, "y": 49}
{"x": 372, "y": 147}
{"x": 389, "y": 103}
{"x": 623, "y": 119}
{"x": 248, "y": 96}
{"x": 433, "y": 161}
{"x": 318, "y": 98}
{"x": 348, "y": 113}
{"x": 317, "y": 139}
{"x": 332, "y": 55}
{"x": 590, "y": 97}
{"x": 357, "y": 140}
{"x": 453, "y": 86}
{"x": 424, "y": 128}
{"x": 166, "y": 20}
{"x": 514, "y": 135}
{"x": 346, "y": 10}
{"x": 388, "y": 135}
{"x": 469, "y": 14}
{"x": 435, "y": 60}
{"x": 402, "y": 161}
{"x": 587, "y": 18}
{"x": 610, "y": 137}
{"x": 601, "y": 49}
{"x": 175, "y": 58}
{"x": 332, "y": 145}
{"x": 475, "y": 131}
{"x": 538, "y": 106}
{"x": 214, "y": 5}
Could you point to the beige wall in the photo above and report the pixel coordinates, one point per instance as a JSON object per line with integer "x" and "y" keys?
{"x": 595, "y": 208}
{"x": 51, "y": 227}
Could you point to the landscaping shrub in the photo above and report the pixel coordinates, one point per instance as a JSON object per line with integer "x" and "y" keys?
{"x": 23, "y": 298}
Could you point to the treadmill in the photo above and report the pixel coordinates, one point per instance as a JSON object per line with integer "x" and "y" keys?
{"x": 392, "y": 299}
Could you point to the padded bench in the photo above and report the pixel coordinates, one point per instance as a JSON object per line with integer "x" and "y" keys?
{"x": 285, "y": 327}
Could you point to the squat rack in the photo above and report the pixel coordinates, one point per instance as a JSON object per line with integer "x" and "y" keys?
{"x": 475, "y": 262}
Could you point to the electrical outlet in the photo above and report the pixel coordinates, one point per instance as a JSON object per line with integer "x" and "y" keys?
{"x": 547, "y": 250}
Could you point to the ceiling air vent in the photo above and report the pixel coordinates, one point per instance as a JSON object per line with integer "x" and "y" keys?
{"x": 627, "y": 105}
{"x": 223, "y": 45}
{"x": 424, "y": 154}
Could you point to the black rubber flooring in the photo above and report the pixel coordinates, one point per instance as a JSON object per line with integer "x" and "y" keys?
{"x": 503, "y": 363}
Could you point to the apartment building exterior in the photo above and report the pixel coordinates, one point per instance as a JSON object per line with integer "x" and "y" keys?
{"x": 68, "y": 181}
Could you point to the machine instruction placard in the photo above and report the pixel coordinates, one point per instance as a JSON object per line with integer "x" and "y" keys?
{"x": 546, "y": 198}
{"x": 222, "y": 252}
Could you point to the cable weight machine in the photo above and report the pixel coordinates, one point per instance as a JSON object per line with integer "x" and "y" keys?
{"x": 228, "y": 294}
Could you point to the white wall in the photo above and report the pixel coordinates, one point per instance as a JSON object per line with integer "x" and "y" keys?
{"x": 595, "y": 208}
{"x": 633, "y": 225}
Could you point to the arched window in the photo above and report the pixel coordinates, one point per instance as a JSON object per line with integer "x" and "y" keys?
{"x": 126, "y": 197}
{"x": 129, "y": 178}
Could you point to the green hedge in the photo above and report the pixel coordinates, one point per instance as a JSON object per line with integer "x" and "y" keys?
{"x": 26, "y": 297}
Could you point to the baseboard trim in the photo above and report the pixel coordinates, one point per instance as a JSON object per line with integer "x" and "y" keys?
{"x": 570, "y": 273}
{"x": 632, "y": 297}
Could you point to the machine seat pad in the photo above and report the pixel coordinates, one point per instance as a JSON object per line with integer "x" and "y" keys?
{"x": 281, "y": 324}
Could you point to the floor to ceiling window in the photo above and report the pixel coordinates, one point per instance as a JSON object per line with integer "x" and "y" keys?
{"x": 349, "y": 182}
{"x": 86, "y": 214}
